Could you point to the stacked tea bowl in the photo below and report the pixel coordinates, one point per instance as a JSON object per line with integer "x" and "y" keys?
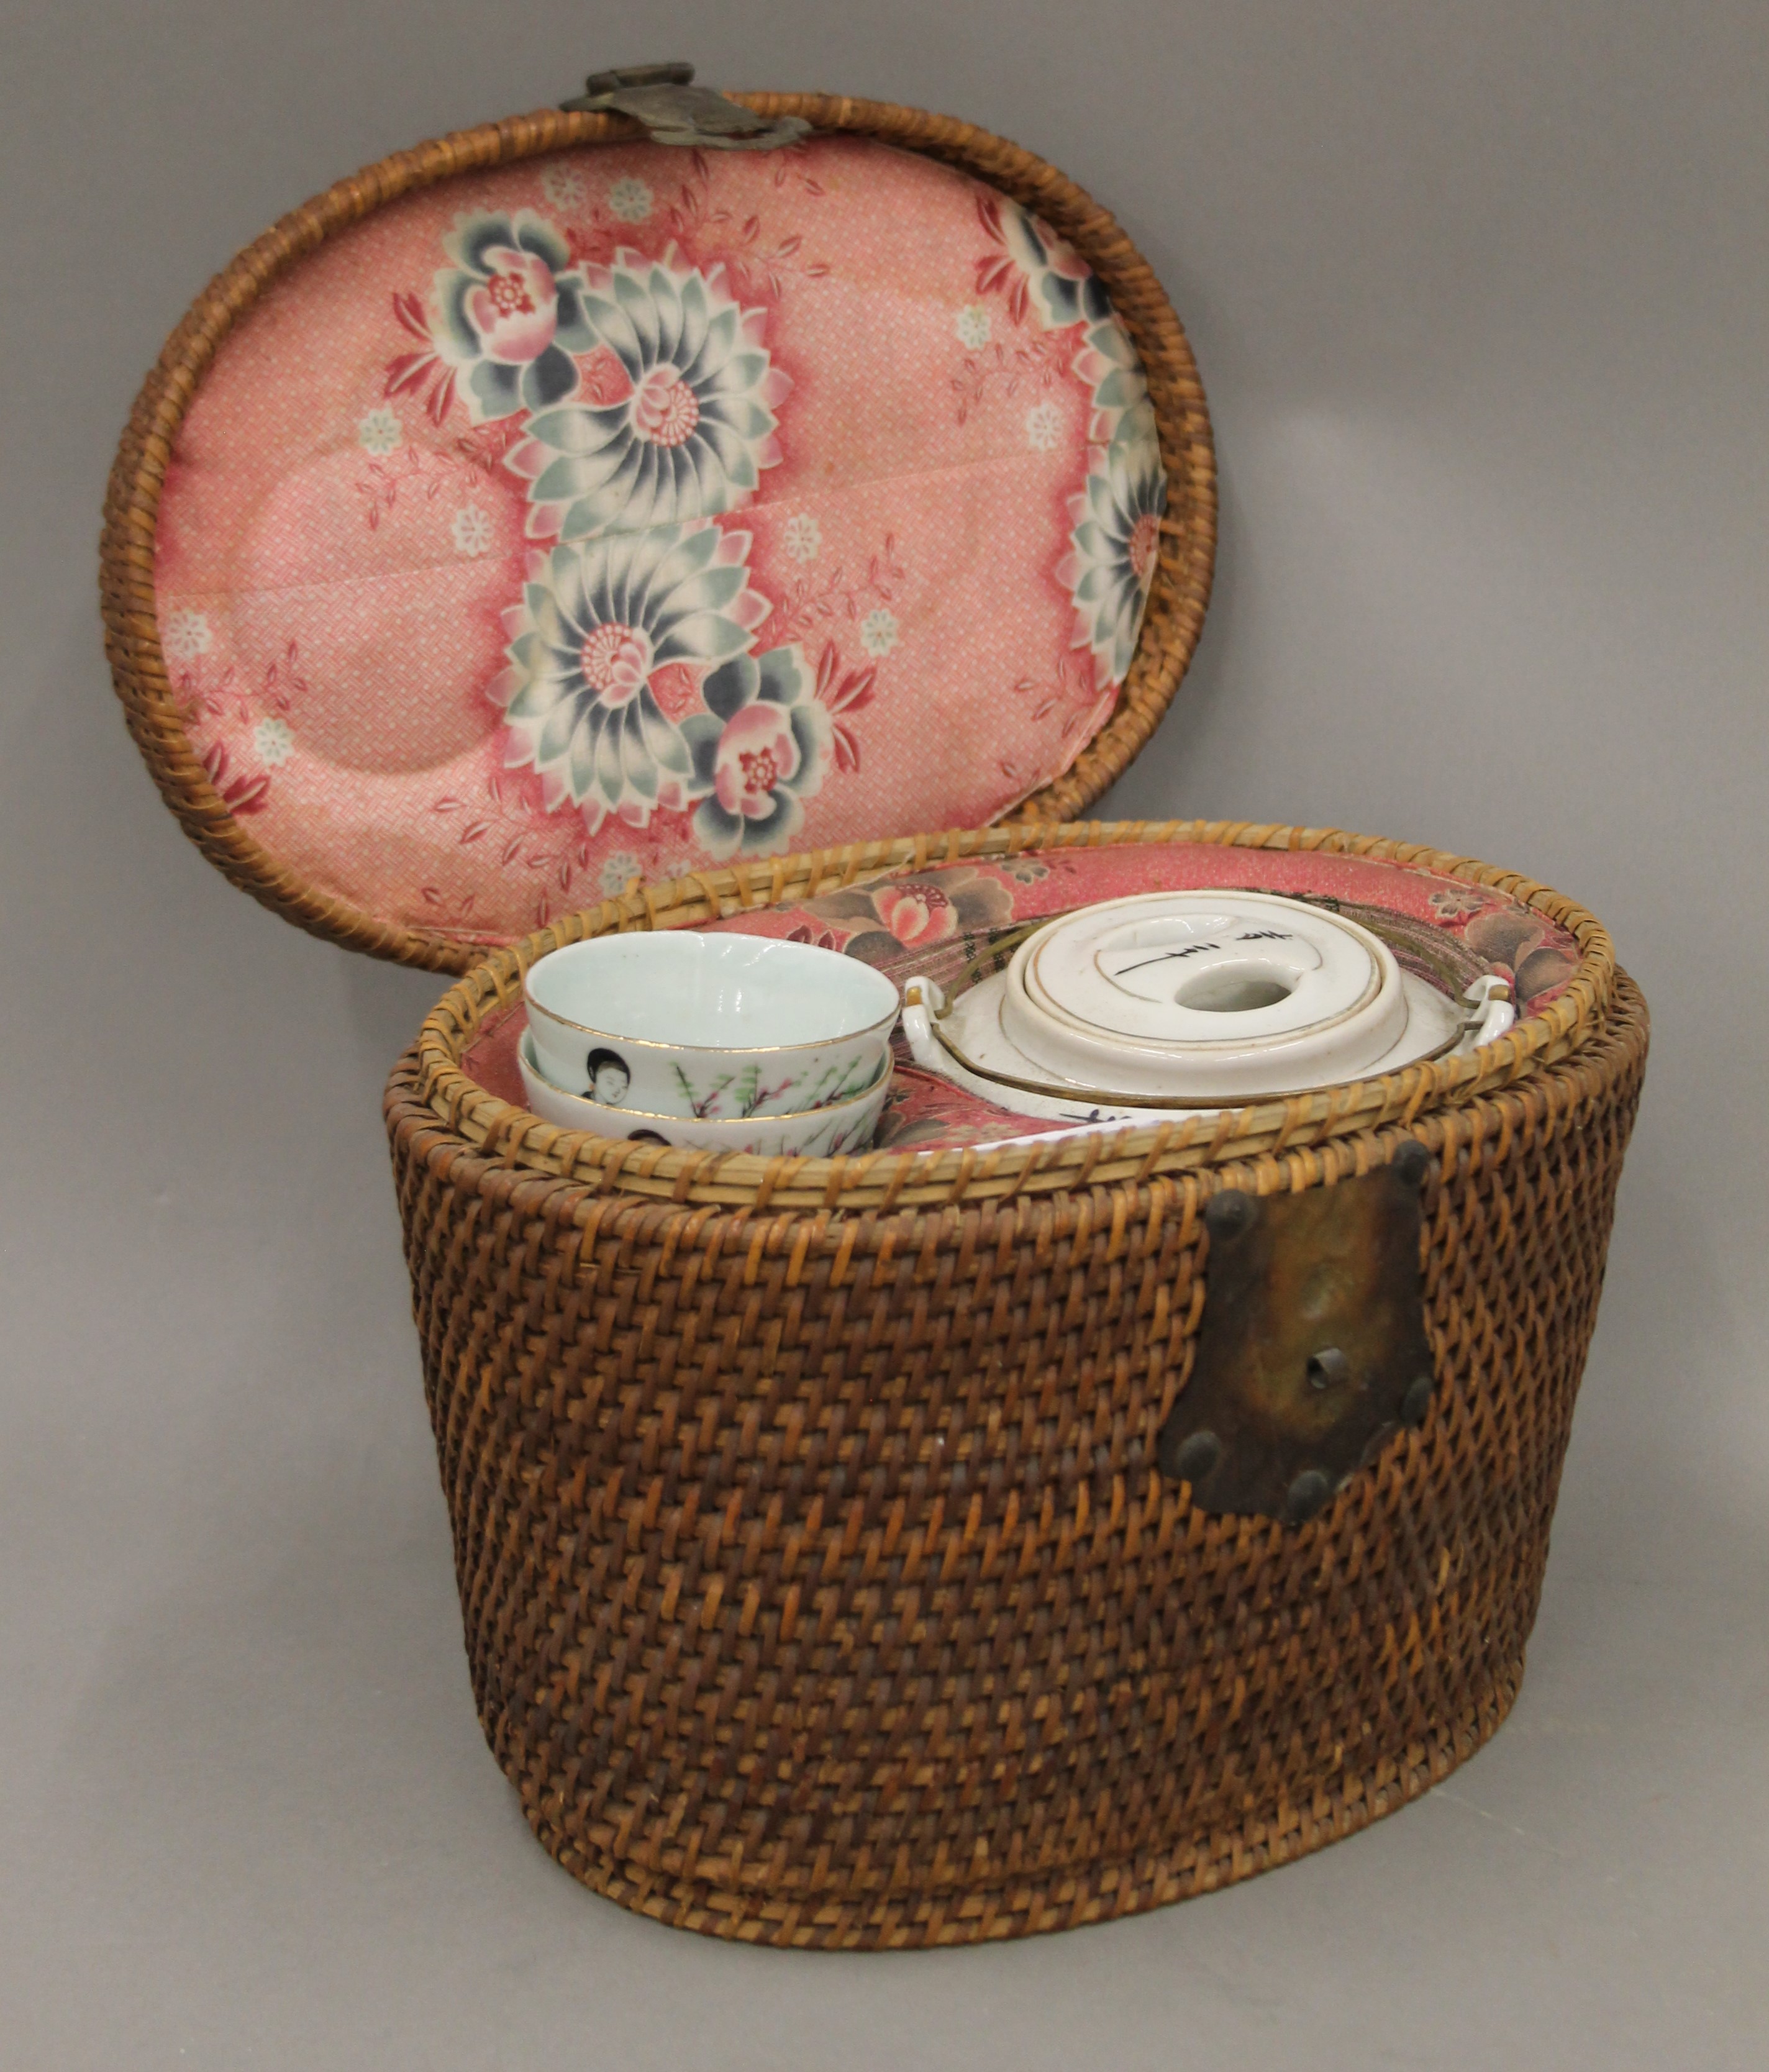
{"x": 722, "y": 1042}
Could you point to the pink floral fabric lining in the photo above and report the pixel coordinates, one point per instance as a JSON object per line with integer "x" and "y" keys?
{"x": 631, "y": 510}
{"x": 941, "y": 921}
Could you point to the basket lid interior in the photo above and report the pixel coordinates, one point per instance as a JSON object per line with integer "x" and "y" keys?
{"x": 618, "y": 510}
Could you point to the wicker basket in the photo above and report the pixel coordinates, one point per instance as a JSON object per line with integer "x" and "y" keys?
{"x": 821, "y": 1583}
{"x": 820, "y": 1586}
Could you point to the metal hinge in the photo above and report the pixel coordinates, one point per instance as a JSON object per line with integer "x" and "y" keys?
{"x": 676, "y": 111}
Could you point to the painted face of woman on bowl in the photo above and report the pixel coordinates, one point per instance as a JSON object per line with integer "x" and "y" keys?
{"x": 609, "y": 1078}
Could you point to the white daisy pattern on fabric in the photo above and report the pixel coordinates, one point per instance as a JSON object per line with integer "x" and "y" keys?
{"x": 803, "y": 536}
{"x": 1044, "y": 427}
{"x": 562, "y": 184}
{"x": 185, "y": 636}
{"x": 618, "y": 872}
{"x": 273, "y": 741}
{"x": 630, "y": 200}
{"x": 878, "y": 632}
{"x": 973, "y": 325}
{"x": 378, "y": 431}
{"x": 470, "y": 529}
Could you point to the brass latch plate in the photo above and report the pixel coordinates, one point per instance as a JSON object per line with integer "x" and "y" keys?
{"x": 1312, "y": 1350}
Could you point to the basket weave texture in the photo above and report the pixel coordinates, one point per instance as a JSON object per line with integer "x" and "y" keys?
{"x": 818, "y": 1585}
{"x": 1178, "y": 595}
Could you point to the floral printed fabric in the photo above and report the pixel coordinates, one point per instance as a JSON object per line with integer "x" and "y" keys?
{"x": 1447, "y": 930}
{"x": 951, "y": 920}
{"x": 598, "y": 628}
{"x": 630, "y": 509}
{"x": 509, "y": 313}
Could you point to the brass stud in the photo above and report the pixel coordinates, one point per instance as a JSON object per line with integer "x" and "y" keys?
{"x": 1306, "y": 1495}
{"x": 1415, "y": 1404}
{"x": 1328, "y": 1368}
{"x": 1229, "y": 1215}
{"x": 1414, "y": 1162}
{"x": 1191, "y": 1459}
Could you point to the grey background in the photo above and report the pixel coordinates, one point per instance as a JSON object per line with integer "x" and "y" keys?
{"x": 1478, "y": 291}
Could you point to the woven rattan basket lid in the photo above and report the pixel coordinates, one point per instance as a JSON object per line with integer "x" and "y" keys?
{"x": 549, "y": 508}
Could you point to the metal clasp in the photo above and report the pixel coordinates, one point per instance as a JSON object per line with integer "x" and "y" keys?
{"x": 676, "y": 111}
{"x": 1313, "y": 1350}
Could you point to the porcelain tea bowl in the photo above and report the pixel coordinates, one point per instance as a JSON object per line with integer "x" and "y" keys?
{"x": 828, "y": 1132}
{"x": 709, "y": 1028}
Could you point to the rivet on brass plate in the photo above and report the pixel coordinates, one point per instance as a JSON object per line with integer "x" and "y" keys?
{"x": 1327, "y": 1366}
{"x": 1311, "y": 1351}
{"x": 1193, "y": 1459}
{"x": 1415, "y": 1404}
{"x": 1412, "y": 1162}
{"x": 1229, "y": 1215}
{"x": 1305, "y": 1496}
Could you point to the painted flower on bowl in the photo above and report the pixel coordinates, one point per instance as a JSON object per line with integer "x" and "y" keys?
{"x": 510, "y": 313}
{"x": 608, "y": 630}
{"x": 1111, "y": 564}
{"x": 682, "y": 421}
{"x": 759, "y": 748}
{"x": 915, "y": 913}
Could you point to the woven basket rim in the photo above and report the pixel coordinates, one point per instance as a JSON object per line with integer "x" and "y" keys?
{"x": 481, "y": 1121}
{"x": 1185, "y": 562}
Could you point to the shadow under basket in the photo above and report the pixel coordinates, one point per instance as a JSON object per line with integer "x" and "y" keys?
{"x": 823, "y": 1583}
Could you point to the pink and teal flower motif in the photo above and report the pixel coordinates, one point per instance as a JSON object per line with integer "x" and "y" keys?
{"x": 608, "y": 642}
{"x": 1111, "y": 562}
{"x": 510, "y": 313}
{"x": 887, "y": 919}
{"x": 1036, "y": 268}
{"x": 1110, "y": 364}
{"x": 677, "y": 419}
{"x": 759, "y": 750}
